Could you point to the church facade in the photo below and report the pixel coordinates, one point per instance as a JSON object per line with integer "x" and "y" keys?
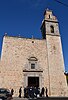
{"x": 35, "y": 62}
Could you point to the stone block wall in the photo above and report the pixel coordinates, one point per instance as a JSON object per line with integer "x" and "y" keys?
{"x": 49, "y": 68}
{"x": 58, "y": 82}
{"x": 15, "y": 54}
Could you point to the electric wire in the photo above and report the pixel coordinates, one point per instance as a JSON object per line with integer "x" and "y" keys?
{"x": 66, "y": 5}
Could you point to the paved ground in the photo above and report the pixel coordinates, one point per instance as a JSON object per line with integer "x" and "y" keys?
{"x": 44, "y": 98}
{"x": 16, "y": 98}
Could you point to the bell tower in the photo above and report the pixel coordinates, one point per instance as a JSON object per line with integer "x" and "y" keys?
{"x": 50, "y": 32}
{"x": 49, "y": 24}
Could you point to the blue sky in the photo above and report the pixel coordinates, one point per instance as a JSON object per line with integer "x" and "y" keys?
{"x": 24, "y": 17}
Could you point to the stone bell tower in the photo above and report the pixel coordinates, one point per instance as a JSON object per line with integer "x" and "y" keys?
{"x": 50, "y": 32}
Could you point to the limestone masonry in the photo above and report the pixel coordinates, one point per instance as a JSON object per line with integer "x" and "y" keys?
{"x": 35, "y": 62}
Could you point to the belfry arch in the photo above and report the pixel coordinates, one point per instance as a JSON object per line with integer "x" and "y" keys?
{"x": 52, "y": 29}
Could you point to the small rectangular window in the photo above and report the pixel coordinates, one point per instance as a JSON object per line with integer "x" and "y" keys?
{"x": 32, "y": 66}
{"x": 67, "y": 81}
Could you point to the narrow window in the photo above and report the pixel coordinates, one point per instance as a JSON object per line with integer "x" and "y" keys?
{"x": 49, "y": 16}
{"x": 52, "y": 29}
{"x": 32, "y": 66}
{"x": 67, "y": 81}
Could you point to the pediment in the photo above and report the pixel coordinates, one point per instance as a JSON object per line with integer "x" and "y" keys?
{"x": 33, "y": 59}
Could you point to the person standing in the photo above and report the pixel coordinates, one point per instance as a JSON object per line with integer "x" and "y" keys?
{"x": 20, "y": 92}
{"x": 12, "y": 91}
{"x": 46, "y": 92}
{"x": 42, "y": 92}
